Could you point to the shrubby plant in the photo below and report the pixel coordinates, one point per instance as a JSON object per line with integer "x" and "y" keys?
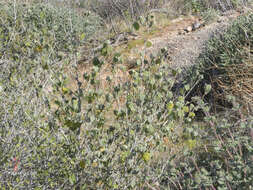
{"x": 225, "y": 159}
{"x": 120, "y": 141}
{"x": 222, "y": 5}
{"x": 226, "y": 65}
{"x": 34, "y": 40}
{"x": 134, "y": 134}
{"x": 133, "y": 9}
{"x": 210, "y": 15}
{"x": 225, "y": 162}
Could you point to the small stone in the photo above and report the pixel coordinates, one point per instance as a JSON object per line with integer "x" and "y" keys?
{"x": 196, "y": 25}
{"x": 220, "y": 20}
{"x": 181, "y": 32}
{"x": 188, "y": 29}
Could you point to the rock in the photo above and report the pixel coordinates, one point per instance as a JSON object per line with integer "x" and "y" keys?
{"x": 196, "y": 25}
{"x": 188, "y": 29}
{"x": 220, "y": 20}
{"x": 181, "y": 32}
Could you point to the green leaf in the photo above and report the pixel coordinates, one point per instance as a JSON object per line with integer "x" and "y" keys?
{"x": 158, "y": 61}
{"x": 75, "y": 105}
{"x": 174, "y": 72}
{"x": 73, "y": 125}
{"x": 149, "y": 129}
{"x": 86, "y": 76}
{"x": 170, "y": 105}
{"x": 96, "y": 61}
{"x": 192, "y": 114}
{"x": 170, "y": 94}
{"x": 136, "y": 25}
{"x": 148, "y": 44}
{"x": 186, "y": 109}
{"x": 72, "y": 179}
{"x": 104, "y": 51}
{"x": 82, "y": 164}
{"x": 208, "y": 88}
{"x": 146, "y": 156}
{"x": 123, "y": 156}
{"x": 131, "y": 107}
{"x": 187, "y": 87}
{"x": 65, "y": 90}
{"x": 191, "y": 144}
{"x": 138, "y": 62}
{"x": 116, "y": 57}
{"x": 82, "y": 36}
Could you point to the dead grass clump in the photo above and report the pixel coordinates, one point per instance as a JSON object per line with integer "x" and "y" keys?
{"x": 239, "y": 82}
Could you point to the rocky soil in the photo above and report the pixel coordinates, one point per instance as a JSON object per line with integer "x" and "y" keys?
{"x": 186, "y": 38}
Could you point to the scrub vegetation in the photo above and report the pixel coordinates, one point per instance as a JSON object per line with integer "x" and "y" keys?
{"x": 75, "y": 115}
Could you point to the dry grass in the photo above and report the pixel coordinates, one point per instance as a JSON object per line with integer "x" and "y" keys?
{"x": 239, "y": 81}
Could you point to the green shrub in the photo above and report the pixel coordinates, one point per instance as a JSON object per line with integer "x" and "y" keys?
{"x": 36, "y": 43}
{"x": 121, "y": 141}
{"x": 224, "y": 158}
{"x": 91, "y": 137}
{"x": 225, "y": 162}
{"x": 210, "y": 15}
{"x": 199, "y": 6}
{"x": 227, "y": 65}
